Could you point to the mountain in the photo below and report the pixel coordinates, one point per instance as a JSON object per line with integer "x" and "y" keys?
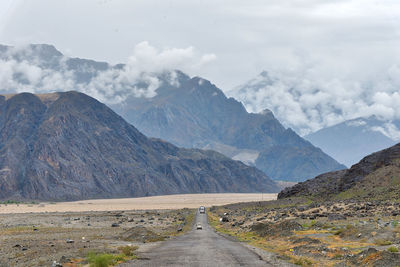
{"x": 47, "y": 57}
{"x": 375, "y": 177}
{"x": 350, "y": 141}
{"x": 310, "y": 106}
{"x": 193, "y": 112}
{"x": 188, "y": 112}
{"x": 68, "y": 146}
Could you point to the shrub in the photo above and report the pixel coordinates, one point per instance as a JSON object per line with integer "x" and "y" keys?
{"x": 337, "y": 256}
{"x": 100, "y": 260}
{"x": 302, "y": 261}
{"x": 348, "y": 231}
{"x": 128, "y": 250}
{"x": 382, "y": 242}
{"x": 393, "y": 249}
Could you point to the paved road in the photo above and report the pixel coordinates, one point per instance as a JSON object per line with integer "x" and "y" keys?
{"x": 204, "y": 248}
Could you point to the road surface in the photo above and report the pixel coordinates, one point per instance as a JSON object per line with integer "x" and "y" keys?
{"x": 204, "y": 248}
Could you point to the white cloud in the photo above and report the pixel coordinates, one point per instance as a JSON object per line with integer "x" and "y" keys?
{"x": 356, "y": 123}
{"x": 329, "y": 60}
{"x": 310, "y": 98}
{"x": 111, "y": 86}
{"x": 247, "y": 36}
{"x": 150, "y": 59}
{"x": 388, "y": 129}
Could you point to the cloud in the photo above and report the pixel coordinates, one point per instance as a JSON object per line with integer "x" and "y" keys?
{"x": 329, "y": 60}
{"x": 23, "y": 69}
{"x": 247, "y": 36}
{"x": 356, "y": 123}
{"x": 388, "y": 129}
{"x": 151, "y": 59}
{"x": 309, "y": 98}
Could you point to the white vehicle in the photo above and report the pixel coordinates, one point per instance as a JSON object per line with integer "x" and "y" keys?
{"x": 202, "y": 209}
{"x": 198, "y": 226}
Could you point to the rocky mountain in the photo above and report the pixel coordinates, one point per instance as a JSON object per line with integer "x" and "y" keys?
{"x": 375, "y": 177}
{"x": 68, "y": 146}
{"x": 189, "y": 112}
{"x": 350, "y": 141}
{"x": 193, "y": 112}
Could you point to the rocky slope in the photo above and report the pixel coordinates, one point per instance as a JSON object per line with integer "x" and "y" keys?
{"x": 189, "y": 112}
{"x": 195, "y": 113}
{"x": 375, "y": 177}
{"x": 67, "y": 146}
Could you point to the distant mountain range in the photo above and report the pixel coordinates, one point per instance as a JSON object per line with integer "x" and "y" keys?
{"x": 189, "y": 112}
{"x": 350, "y": 141}
{"x": 68, "y": 146}
{"x": 375, "y": 177}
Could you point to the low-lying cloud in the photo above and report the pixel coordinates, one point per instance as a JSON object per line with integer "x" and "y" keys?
{"x": 23, "y": 70}
{"x": 310, "y": 98}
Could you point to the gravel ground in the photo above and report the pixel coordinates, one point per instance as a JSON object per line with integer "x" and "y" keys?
{"x": 39, "y": 239}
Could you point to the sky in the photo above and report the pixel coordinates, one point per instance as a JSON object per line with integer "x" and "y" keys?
{"x": 349, "y": 48}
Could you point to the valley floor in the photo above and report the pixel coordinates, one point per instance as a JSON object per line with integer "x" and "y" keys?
{"x": 297, "y": 231}
{"x": 140, "y": 203}
{"x": 80, "y": 232}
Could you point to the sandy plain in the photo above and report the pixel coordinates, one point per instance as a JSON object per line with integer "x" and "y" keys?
{"x": 142, "y": 203}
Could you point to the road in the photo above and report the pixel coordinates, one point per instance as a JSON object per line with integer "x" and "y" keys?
{"x": 204, "y": 248}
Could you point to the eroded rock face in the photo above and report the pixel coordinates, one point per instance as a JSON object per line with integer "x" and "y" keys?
{"x": 68, "y": 146}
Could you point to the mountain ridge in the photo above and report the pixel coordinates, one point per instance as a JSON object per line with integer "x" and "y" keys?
{"x": 198, "y": 114}
{"x": 77, "y": 148}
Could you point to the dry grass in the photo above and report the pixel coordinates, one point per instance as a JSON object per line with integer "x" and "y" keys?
{"x": 372, "y": 258}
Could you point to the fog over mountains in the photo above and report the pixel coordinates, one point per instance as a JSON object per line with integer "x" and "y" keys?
{"x": 189, "y": 112}
{"x": 307, "y": 101}
{"x": 346, "y": 120}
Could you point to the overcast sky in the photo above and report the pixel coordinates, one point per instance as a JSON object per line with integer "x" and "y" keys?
{"x": 338, "y": 45}
{"x": 245, "y": 36}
